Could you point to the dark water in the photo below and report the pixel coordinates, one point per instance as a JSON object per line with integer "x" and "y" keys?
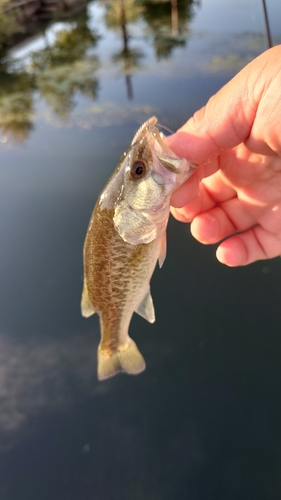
{"x": 203, "y": 421}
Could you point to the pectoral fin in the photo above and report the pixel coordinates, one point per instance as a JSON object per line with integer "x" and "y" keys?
{"x": 163, "y": 249}
{"x": 133, "y": 226}
{"x": 86, "y": 307}
{"x": 146, "y": 308}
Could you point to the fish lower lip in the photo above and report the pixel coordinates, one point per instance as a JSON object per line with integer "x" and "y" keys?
{"x": 154, "y": 210}
{"x": 148, "y": 211}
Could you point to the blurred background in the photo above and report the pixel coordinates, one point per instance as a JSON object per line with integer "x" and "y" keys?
{"x": 203, "y": 422}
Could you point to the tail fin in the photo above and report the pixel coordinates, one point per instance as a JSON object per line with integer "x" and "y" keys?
{"x": 128, "y": 360}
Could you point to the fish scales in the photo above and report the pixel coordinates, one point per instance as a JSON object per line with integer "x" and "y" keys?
{"x": 107, "y": 257}
{"x": 125, "y": 237}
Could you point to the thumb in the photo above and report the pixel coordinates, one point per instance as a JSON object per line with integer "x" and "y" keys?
{"x": 228, "y": 116}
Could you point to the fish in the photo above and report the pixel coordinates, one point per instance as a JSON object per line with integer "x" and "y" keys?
{"x": 126, "y": 237}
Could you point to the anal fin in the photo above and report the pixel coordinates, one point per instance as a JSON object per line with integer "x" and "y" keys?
{"x": 146, "y": 308}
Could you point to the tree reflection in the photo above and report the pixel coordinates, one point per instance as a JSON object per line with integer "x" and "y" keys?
{"x": 8, "y": 23}
{"x": 16, "y": 102}
{"x": 118, "y": 15}
{"x": 168, "y": 23}
{"x": 57, "y": 72}
{"x": 66, "y": 68}
{"x": 166, "y": 20}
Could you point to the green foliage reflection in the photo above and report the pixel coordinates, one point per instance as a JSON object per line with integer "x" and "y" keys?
{"x": 16, "y": 102}
{"x": 118, "y": 15}
{"x": 57, "y": 72}
{"x": 68, "y": 66}
{"x": 8, "y": 22}
{"x": 167, "y": 21}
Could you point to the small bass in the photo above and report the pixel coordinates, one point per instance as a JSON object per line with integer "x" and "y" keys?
{"x": 125, "y": 238}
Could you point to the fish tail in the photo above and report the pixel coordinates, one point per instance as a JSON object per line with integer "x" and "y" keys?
{"x": 126, "y": 359}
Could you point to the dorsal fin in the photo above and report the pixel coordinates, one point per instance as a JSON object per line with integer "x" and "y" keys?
{"x": 142, "y": 130}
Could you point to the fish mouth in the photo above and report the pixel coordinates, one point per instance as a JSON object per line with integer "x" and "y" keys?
{"x": 171, "y": 164}
{"x": 174, "y": 164}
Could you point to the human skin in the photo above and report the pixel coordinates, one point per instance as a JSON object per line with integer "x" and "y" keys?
{"x": 235, "y": 193}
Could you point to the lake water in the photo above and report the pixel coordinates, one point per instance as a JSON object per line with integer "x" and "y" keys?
{"x": 203, "y": 421}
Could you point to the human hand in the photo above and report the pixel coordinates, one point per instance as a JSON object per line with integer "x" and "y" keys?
{"x": 235, "y": 193}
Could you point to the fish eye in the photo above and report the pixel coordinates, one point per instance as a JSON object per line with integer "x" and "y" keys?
{"x": 138, "y": 169}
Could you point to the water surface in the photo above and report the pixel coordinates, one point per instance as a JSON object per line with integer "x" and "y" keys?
{"x": 203, "y": 421}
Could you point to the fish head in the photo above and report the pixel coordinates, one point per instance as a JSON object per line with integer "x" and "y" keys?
{"x": 150, "y": 173}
